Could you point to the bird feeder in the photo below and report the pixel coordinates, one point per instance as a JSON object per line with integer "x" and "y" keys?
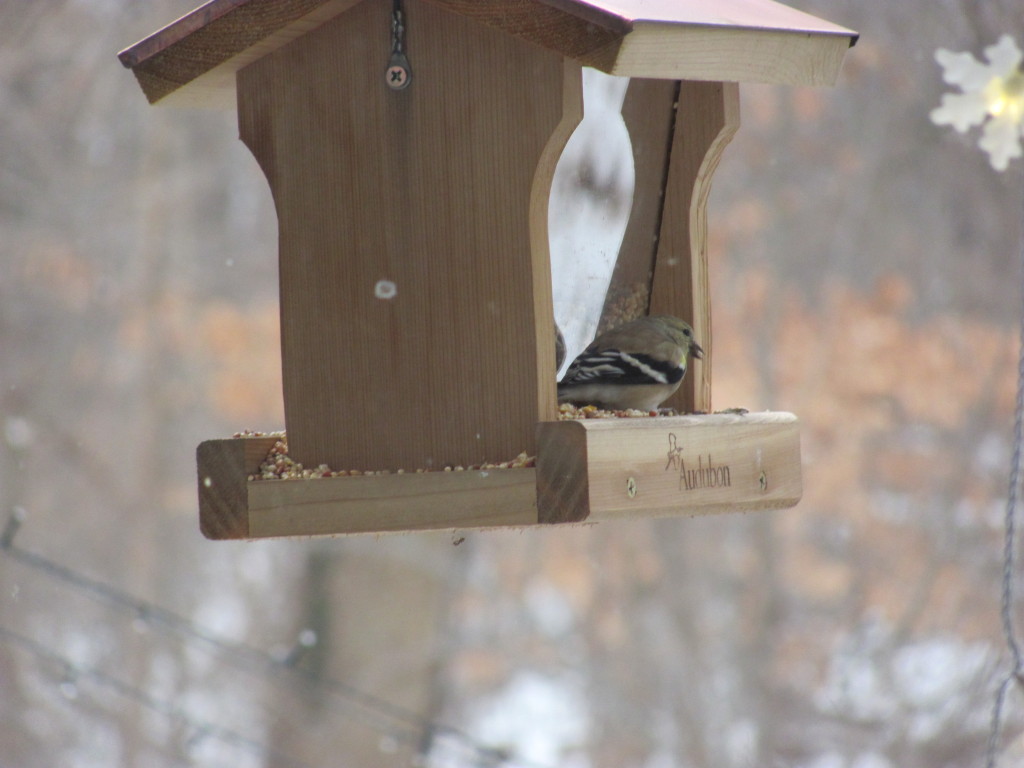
{"x": 410, "y": 148}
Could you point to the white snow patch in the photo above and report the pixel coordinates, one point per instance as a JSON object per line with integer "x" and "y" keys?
{"x": 538, "y": 718}
{"x": 871, "y": 760}
{"x": 224, "y": 614}
{"x": 19, "y": 432}
{"x": 930, "y": 672}
{"x": 549, "y": 608}
{"x": 992, "y": 453}
{"x": 828, "y": 760}
{"x": 927, "y": 684}
{"x": 741, "y": 739}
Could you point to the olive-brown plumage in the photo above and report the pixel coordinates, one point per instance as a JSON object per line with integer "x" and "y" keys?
{"x": 636, "y": 365}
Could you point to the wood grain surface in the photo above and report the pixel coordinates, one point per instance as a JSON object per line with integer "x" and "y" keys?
{"x": 392, "y": 503}
{"x": 416, "y": 318}
{"x": 223, "y": 467}
{"x": 609, "y": 469}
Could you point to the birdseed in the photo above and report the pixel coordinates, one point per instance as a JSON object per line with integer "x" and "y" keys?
{"x": 278, "y": 465}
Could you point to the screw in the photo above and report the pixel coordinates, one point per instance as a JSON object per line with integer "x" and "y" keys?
{"x": 763, "y": 481}
{"x": 631, "y": 487}
{"x": 397, "y": 77}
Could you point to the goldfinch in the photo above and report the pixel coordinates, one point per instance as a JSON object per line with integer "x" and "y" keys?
{"x": 636, "y": 365}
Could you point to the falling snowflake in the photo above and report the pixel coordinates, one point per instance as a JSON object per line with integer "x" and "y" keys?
{"x": 994, "y": 90}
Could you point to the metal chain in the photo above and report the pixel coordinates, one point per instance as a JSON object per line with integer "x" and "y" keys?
{"x": 1017, "y": 673}
{"x": 398, "y": 73}
{"x": 397, "y": 28}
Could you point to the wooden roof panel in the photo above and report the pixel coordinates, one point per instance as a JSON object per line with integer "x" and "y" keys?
{"x": 194, "y": 59}
{"x": 748, "y": 14}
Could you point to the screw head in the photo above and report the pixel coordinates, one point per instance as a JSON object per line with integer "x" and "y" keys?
{"x": 763, "y": 481}
{"x": 397, "y": 77}
{"x": 631, "y": 487}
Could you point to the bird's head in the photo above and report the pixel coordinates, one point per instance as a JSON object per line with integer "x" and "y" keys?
{"x": 682, "y": 334}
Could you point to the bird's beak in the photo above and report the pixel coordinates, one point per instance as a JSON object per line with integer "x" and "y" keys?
{"x": 695, "y": 350}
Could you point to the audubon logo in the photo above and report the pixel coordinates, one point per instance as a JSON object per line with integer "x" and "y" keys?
{"x": 705, "y": 474}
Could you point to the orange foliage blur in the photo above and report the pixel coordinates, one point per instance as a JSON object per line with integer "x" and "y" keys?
{"x": 242, "y": 348}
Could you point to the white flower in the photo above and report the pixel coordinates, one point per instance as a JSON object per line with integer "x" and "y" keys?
{"x": 994, "y": 90}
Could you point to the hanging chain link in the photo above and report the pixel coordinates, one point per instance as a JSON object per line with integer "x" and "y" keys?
{"x": 398, "y": 73}
{"x": 1009, "y": 543}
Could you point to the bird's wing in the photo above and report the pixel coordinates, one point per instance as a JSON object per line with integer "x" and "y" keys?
{"x": 614, "y": 365}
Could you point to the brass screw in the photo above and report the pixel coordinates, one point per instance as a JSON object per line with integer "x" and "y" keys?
{"x": 763, "y": 481}
{"x": 631, "y": 487}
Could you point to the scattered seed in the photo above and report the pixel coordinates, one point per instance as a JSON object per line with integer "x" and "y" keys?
{"x": 278, "y": 465}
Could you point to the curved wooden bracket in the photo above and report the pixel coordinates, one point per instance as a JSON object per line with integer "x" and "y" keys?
{"x": 540, "y": 241}
{"x": 707, "y": 118}
{"x": 678, "y": 131}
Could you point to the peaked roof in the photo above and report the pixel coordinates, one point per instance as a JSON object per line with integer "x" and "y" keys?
{"x": 195, "y": 58}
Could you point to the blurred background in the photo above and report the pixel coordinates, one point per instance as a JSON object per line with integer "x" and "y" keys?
{"x": 864, "y": 276}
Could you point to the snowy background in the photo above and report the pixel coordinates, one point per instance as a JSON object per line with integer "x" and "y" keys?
{"x": 863, "y": 267}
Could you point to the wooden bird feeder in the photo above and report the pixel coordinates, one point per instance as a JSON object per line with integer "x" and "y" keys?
{"x": 413, "y": 227}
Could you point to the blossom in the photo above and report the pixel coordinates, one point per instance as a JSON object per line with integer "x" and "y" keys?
{"x": 992, "y": 92}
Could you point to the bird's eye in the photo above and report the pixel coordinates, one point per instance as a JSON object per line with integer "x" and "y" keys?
{"x": 687, "y": 332}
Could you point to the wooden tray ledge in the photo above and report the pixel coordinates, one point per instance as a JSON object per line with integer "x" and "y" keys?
{"x": 587, "y": 471}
